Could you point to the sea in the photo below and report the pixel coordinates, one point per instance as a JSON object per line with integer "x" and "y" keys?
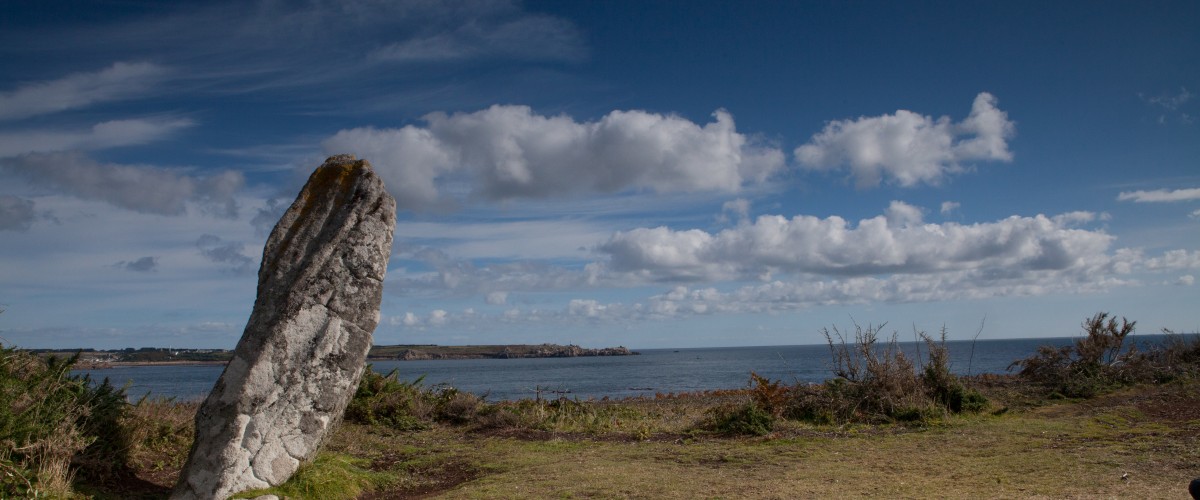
{"x": 654, "y": 371}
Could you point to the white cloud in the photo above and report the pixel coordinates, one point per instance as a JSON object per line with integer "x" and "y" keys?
{"x": 1186, "y": 280}
{"x": 508, "y": 152}
{"x": 1160, "y": 195}
{"x": 497, "y": 298}
{"x": 109, "y": 134}
{"x": 1175, "y": 260}
{"x": 900, "y": 214}
{"x": 587, "y": 308}
{"x": 120, "y": 81}
{"x": 907, "y": 148}
{"x": 739, "y": 209}
{"x": 438, "y": 317}
{"x": 896, "y": 243}
{"x": 950, "y": 207}
{"x": 140, "y": 188}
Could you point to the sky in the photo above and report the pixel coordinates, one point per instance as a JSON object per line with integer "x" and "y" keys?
{"x": 646, "y": 174}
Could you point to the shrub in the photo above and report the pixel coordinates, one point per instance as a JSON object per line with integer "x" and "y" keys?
{"x": 53, "y": 424}
{"x": 744, "y": 419}
{"x": 942, "y": 385}
{"x": 1093, "y": 364}
{"x": 770, "y": 396}
{"x": 385, "y": 400}
{"x": 408, "y": 406}
{"x": 875, "y": 383}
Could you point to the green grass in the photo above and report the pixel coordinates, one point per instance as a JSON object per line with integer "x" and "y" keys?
{"x": 1077, "y": 449}
{"x": 331, "y": 475}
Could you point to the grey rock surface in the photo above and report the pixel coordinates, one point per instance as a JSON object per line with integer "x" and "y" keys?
{"x": 304, "y": 348}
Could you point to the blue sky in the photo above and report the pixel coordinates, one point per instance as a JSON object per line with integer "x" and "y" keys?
{"x": 648, "y": 174}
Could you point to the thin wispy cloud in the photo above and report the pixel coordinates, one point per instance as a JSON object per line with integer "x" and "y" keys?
{"x": 141, "y": 188}
{"x": 255, "y": 46}
{"x": 120, "y": 81}
{"x": 529, "y": 37}
{"x": 104, "y": 135}
{"x": 1170, "y": 106}
{"x": 1160, "y": 195}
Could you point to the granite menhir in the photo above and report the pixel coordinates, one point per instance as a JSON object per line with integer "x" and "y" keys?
{"x": 299, "y": 361}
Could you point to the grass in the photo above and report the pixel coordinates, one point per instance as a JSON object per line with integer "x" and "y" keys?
{"x": 1070, "y": 449}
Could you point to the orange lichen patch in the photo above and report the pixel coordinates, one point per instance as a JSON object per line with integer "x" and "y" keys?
{"x": 334, "y": 178}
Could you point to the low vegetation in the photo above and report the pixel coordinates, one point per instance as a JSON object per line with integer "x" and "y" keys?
{"x": 1102, "y": 361}
{"x": 1099, "y": 409}
{"x": 54, "y": 426}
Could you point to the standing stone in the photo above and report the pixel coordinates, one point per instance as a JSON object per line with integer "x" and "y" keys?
{"x": 305, "y": 345}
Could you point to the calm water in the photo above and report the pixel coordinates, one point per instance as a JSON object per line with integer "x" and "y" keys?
{"x": 655, "y": 370}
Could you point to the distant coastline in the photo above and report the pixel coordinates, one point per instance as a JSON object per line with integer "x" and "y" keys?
{"x": 93, "y": 359}
{"x": 512, "y": 351}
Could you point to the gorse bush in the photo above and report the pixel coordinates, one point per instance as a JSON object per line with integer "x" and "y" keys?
{"x": 53, "y": 425}
{"x": 874, "y": 383}
{"x": 408, "y": 406}
{"x": 1101, "y": 360}
{"x": 745, "y": 419}
{"x": 944, "y": 387}
{"x": 1086, "y": 368}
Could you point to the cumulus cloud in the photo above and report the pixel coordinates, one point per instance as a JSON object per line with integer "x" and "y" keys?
{"x": 120, "y": 81}
{"x": 901, "y": 214}
{"x": 103, "y": 135}
{"x": 141, "y": 188}
{"x": 230, "y": 253}
{"x": 949, "y": 207}
{"x": 16, "y": 213}
{"x": 1160, "y": 195}
{"x": 907, "y": 148}
{"x": 1175, "y": 260}
{"x": 897, "y": 242}
{"x": 438, "y": 317}
{"x": 497, "y": 298}
{"x": 507, "y": 152}
{"x": 142, "y": 265}
{"x": 739, "y": 209}
{"x": 587, "y": 308}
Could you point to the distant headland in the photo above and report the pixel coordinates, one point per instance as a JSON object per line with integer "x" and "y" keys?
{"x": 422, "y": 352}
{"x": 165, "y": 356}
